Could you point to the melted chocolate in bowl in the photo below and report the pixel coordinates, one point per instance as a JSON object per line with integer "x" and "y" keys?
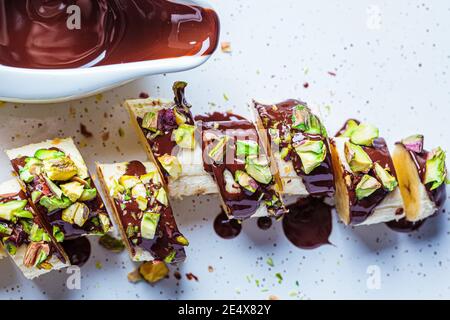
{"x": 44, "y": 34}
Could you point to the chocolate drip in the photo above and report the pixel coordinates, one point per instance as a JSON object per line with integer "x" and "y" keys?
{"x": 243, "y": 204}
{"x": 438, "y": 195}
{"x": 264, "y": 223}
{"x": 167, "y": 231}
{"x": 39, "y": 34}
{"x": 360, "y": 210}
{"x": 226, "y": 228}
{"x": 308, "y": 224}
{"x": 218, "y": 116}
{"x": 404, "y": 225}
{"x": 78, "y": 250}
{"x": 319, "y": 182}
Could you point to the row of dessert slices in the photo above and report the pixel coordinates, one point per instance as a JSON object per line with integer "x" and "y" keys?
{"x": 250, "y": 164}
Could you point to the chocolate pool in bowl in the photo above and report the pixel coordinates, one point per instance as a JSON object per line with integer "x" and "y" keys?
{"x": 75, "y": 48}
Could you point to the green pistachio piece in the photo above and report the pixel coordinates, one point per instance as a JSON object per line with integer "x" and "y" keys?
{"x": 11, "y": 248}
{"x": 161, "y": 197}
{"x": 142, "y": 203}
{"x": 246, "y": 148}
{"x": 217, "y": 152}
{"x": 60, "y": 169}
{"x": 72, "y": 190}
{"x": 414, "y": 143}
{"x": 88, "y": 195}
{"x": 435, "y": 172}
{"x": 58, "y": 234}
{"x": 35, "y": 195}
{"x": 26, "y": 225}
{"x": 258, "y": 168}
{"x": 245, "y": 181}
{"x": 7, "y": 209}
{"x": 105, "y": 222}
{"x": 36, "y": 233}
{"x": 169, "y": 258}
{"x": 148, "y": 177}
{"x": 77, "y": 213}
{"x": 32, "y": 167}
{"x": 350, "y": 126}
{"x": 5, "y": 230}
{"x": 184, "y": 136}
{"x": 150, "y": 121}
{"x": 364, "y": 135}
{"x": 149, "y": 224}
{"x": 128, "y": 182}
{"x": 25, "y": 175}
{"x": 366, "y": 186}
{"x": 130, "y": 231}
{"x": 284, "y": 152}
{"x": 46, "y": 237}
{"x": 313, "y": 125}
{"x": 44, "y": 154}
{"x": 24, "y": 214}
{"x": 171, "y": 165}
{"x": 117, "y": 189}
{"x": 153, "y": 271}
{"x": 299, "y": 116}
{"x": 110, "y": 243}
{"x": 53, "y": 203}
{"x": 182, "y": 240}
{"x": 274, "y": 135}
{"x": 139, "y": 190}
{"x": 389, "y": 182}
{"x": 179, "y": 117}
{"x": 42, "y": 256}
{"x": 53, "y": 188}
{"x": 312, "y": 153}
{"x": 357, "y": 158}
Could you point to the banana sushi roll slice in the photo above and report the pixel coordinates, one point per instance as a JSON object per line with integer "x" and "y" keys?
{"x": 137, "y": 196}
{"x": 31, "y": 243}
{"x": 421, "y": 176}
{"x": 298, "y": 143}
{"x": 167, "y": 131}
{"x": 367, "y": 190}
{"x": 237, "y": 160}
{"x": 57, "y": 181}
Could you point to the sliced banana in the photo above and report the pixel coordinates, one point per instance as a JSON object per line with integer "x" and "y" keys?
{"x": 412, "y": 164}
{"x": 366, "y": 186}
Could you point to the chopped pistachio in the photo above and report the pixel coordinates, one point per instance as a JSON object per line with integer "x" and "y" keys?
{"x": 7, "y": 209}
{"x": 414, "y": 143}
{"x": 142, "y": 203}
{"x": 179, "y": 117}
{"x": 217, "y": 152}
{"x": 366, "y": 186}
{"x": 105, "y": 222}
{"x": 245, "y": 181}
{"x": 435, "y": 171}
{"x": 72, "y": 190}
{"x": 44, "y": 154}
{"x": 182, "y": 240}
{"x": 112, "y": 244}
{"x": 35, "y": 195}
{"x": 42, "y": 256}
{"x": 58, "y": 234}
{"x": 300, "y": 113}
{"x": 60, "y": 169}
{"x": 147, "y": 178}
{"x": 184, "y": 136}
{"x": 364, "y": 134}
{"x": 53, "y": 203}
{"x": 258, "y": 168}
{"x": 246, "y": 148}
{"x": 312, "y": 153}
{"x": 161, "y": 197}
{"x": 149, "y": 224}
{"x": 11, "y": 248}
{"x": 88, "y": 194}
{"x": 389, "y": 182}
{"x": 128, "y": 182}
{"x": 357, "y": 158}
{"x": 53, "y": 187}
{"x": 350, "y": 126}
{"x": 77, "y": 213}
{"x": 284, "y": 152}
{"x": 150, "y": 121}
{"x": 171, "y": 165}
{"x": 274, "y": 135}
{"x": 5, "y": 230}
{"x": 25, "y": 214}
{"x": 36, "y": 233}
{"x": 153, "y": 271}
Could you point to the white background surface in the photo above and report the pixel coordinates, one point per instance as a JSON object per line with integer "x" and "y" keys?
{"x": 391, "y": 61}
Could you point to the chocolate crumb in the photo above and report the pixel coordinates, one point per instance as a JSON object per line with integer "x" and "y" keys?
{"x": 210, "y": 269}
{"x": 177, "y": 275}
{"x": 191, "y": 276}
{"x": 143, "y": 95}
{"x": 306, "y": 85}
{"x": 85, "y": 132}
{"x": 105, "y": 136}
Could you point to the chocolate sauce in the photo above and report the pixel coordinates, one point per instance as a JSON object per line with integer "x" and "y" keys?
{"x": 264, "y": 223}
{"x": 242, "y": 204}
{"x": 438, "y": 195}
{"x": 404, "y": 225}
{"x": 218, "y": 116}
{"x": 308, "y": 224}
{"x": 360, "y": 210}
{"x": 44, "y": 34}
{"x": 319, "y": 182}
{"x": 167, "y": 231}
{"x": 227, "y": 228}
{"x": 78, "y": 250}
